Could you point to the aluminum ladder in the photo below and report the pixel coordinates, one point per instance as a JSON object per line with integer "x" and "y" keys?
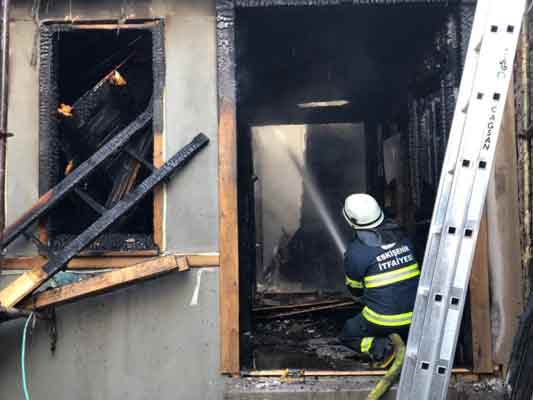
{"x": 460, "y": 200}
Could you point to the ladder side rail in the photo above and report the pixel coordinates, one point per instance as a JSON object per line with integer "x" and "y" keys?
{"x": 496, "y": 96}
{"x": 450, "y": 159}
{"x": 498, "y": 48}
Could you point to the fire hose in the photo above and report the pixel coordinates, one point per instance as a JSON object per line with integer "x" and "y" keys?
{"x": 393, "y": 372}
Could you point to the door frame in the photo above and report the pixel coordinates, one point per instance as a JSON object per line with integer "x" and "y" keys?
{"x": 229, "y": 313}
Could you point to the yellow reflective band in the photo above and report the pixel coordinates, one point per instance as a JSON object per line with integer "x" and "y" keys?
{"x": 387, "y": 320}
{"x": 388, "y": 278}
{"x": 366, "y": 344}
{"x": 353, "y": 283}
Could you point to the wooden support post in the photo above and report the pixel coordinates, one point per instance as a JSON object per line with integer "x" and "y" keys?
{"x": 480, "y": 304}
{"x": 106, "y": 281}
{"x": 159, "y": 194}
{"x": 227, "y": 181}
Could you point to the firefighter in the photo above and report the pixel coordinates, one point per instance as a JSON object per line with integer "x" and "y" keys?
{"x": 382, "y": 271}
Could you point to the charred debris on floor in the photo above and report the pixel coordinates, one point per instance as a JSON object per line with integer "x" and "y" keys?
{"x": 300, "y": 330}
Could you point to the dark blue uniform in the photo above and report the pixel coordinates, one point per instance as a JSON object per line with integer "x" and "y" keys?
{"x": 380, "y": 268}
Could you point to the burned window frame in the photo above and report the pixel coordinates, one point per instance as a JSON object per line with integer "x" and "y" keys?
{"x": 49, "y": 99}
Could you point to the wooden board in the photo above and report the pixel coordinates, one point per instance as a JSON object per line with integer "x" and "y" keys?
{"x": 283, "y": 372}
{"x": 106, "y": 281}
{"x": 20, "y": 287}
{"x": 227, "y": 183}
{"x": 158, "y": 193}
{"x": 480, "y": 304}
{"x": 194, "y": 260}
{"x": 228, "y": 238}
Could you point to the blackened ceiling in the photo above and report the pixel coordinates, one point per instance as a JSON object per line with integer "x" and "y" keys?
{"x": 363, "y": 54}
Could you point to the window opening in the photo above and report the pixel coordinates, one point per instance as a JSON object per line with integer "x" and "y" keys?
{"x": 94, "y": 82}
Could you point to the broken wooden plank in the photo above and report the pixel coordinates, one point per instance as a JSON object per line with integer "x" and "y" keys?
{"x": 106, "y": 282}
{"x": 54, "y": 195}
{"x": 31, "y": 280}
{"x": 198, "y": 260}
{"x": 127, "y": 168}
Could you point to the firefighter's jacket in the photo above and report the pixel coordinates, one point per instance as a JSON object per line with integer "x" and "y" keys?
{"x": 380, "y": 266}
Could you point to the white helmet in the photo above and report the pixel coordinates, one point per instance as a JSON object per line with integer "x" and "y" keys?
{"x": 362, "y": 211}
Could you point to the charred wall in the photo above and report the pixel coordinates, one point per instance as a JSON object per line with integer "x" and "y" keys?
{"x": 432, "y": 99}
{"x": 403, "y": 94}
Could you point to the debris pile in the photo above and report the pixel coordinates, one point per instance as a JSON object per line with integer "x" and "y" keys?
{"x": 301, "y": 331}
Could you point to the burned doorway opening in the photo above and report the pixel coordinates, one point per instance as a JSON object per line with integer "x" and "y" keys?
{"x": 87, "y": 96}
{"x": 333, "y": 100}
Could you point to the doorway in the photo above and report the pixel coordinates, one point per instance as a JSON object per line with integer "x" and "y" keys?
{"x": 332, "y": 100}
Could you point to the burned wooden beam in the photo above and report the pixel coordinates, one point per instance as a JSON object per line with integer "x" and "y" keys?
{"x": 7, "y": 314}
{"x": 31, "y": 280}
{"x": 54, "y": 195}
{"x": 106, "y": 282}
{"x": 138, "y": 157}
{"x": 128, "y": 166}
{"x": 100, "y": 209}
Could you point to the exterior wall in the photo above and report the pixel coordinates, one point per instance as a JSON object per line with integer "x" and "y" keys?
{"x": 150, "y": 341}
{"x": 22, "y": 176}
{"x": 190, "y": 107}
{"x": 143, "y": 342}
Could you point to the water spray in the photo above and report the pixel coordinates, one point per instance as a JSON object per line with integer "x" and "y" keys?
{"x": 316, "y": 197}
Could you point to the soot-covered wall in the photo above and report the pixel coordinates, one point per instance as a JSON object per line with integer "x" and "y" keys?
{"x": 399, "y": 82}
